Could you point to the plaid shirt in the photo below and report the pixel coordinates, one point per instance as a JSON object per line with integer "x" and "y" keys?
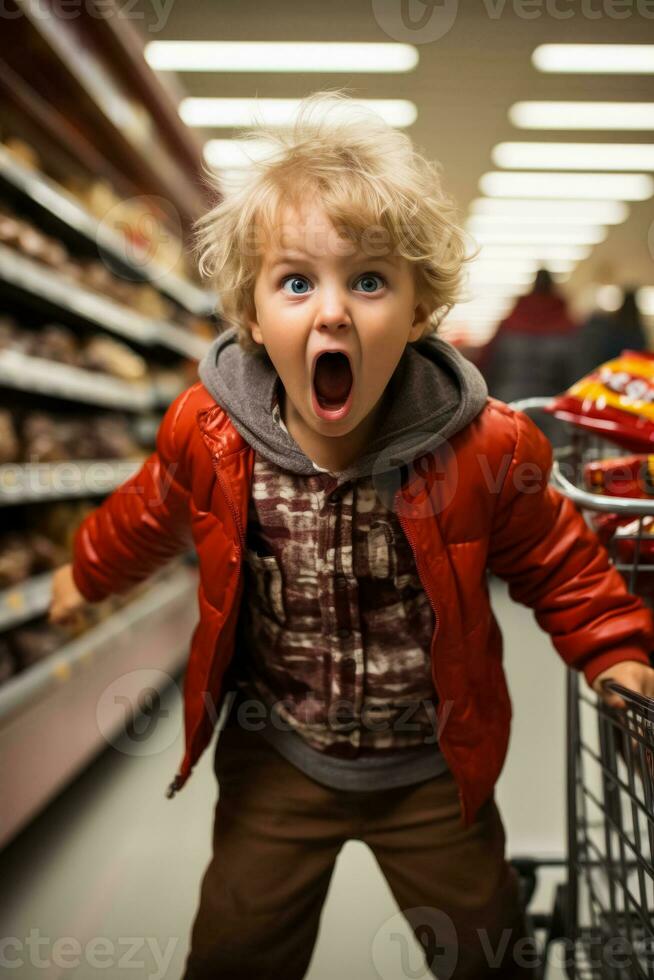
{"x": 335, "y": 624}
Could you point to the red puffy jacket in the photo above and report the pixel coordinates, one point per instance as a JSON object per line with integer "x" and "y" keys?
{"x": 482, "y": 502}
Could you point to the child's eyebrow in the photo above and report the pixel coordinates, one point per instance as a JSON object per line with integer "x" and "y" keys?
{"x": 285, "y": 257}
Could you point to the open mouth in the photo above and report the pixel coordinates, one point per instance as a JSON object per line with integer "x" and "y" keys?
{"x": 332, "y": 381}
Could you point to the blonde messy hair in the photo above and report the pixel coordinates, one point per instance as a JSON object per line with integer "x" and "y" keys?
{"x": 365, "y": 174}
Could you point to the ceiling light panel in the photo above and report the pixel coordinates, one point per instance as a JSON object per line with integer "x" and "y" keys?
{"x": 600, "y": 59}
{"x": 583, "y": 115}
{"x": 524, "y": 265}
{"x": 280, "y": 56}
{"x": 280, "y": 112}
{"x": 535, "y": 231}
{"x": 232, "y": 154}
{"x": 645, "y": 300}
{"x": 574, "y": 156}
{"x": 563, "y": 235}
{"x": 619, "y": 187}
{"x": 550, "y": 212}
{"x": 541, "y": 253}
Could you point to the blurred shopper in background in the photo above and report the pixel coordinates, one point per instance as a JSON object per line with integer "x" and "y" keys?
{"x": 605, "y": 335}
{"x": 534, "y": 349}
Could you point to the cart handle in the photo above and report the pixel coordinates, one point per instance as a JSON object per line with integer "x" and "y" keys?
{"x": 629, "y": 506}
{"x": 636, "y": 506}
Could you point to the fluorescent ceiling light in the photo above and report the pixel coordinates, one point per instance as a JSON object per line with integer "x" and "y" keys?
{"x": 601, "y": 59}
{"x": 574, "y": 156}
{"x": 609, "y": 297}
{"x": 511, "y": 230}
{"x": 564, "y": 235}
{"x": 551, "y": 212}
{"x": 621, "y": 187}
{"x": 541, "y": 253}
{"x": 484, "y": 277}
{"x": 645, "y": 300}
{"x": 498, "y": 291}
{"x": 582, "y": 115}
{"x": 508, "y": 278}
{"x": 269, "y": 56}
{"x": 281, "y": 112}
{"x": 525, "y": 266}
{"x": 235, "y": 153}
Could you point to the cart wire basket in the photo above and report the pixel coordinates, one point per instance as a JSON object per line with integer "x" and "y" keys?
{"x": 603, "y": 914}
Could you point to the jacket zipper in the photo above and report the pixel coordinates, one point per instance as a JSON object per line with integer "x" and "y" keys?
{"x": 425, "y": 582}
{"x": 424, "y": 579}
{"x": 232, "y": 507}
{"x": 177, "y": 781}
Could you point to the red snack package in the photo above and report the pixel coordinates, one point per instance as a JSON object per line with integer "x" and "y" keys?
{"x": 616, "y": 400}
{"x": 626, "y": 476}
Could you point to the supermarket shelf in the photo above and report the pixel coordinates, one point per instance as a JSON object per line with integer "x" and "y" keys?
{"x": 78, "y": 223}
{"x": 25, "y": 601}
{"x": 56, "y": 715}
{"x": 22, "y": 483}
{"x": 182, "y": 341}
{"x": 63, "y": 295}
{"x": 37, "y": 374}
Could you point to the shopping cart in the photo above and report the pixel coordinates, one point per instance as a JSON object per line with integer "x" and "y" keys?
{"x": 603, "y": 914}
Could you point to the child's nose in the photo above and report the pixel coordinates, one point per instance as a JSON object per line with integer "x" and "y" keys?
{"x": 333, "y": 311}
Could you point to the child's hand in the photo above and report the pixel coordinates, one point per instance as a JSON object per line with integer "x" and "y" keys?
{"x": 636, "y": 677}
{"x": 66, "y": 599}
{"x": 631, "y": 674}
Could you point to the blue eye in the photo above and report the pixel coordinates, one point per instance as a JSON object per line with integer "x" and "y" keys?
{"x": 370, "y": 277}
{"x": 300, "y": 279}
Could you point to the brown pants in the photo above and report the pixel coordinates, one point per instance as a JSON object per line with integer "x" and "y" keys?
{"x": 277, "y": 834}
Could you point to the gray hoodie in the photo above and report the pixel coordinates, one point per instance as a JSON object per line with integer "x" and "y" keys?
{"x": 436, "y": 392}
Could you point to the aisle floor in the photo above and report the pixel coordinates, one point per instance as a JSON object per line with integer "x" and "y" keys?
{"x": 115, "y": 866}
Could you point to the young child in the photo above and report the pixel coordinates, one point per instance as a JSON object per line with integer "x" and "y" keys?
{"x": 347, "y": 482}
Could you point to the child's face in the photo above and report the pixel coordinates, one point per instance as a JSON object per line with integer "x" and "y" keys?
{"x": 316, "y": 291}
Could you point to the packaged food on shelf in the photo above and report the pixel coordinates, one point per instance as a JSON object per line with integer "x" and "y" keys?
{"x": 58, "y": 520}
{"x": 15, "y": 559}
{"x": 58, "y": 343}
{"x": 23, "y": 151}
{"x": 111, "y": 356}
{"x": 34, "y": 642}
{"x": 9, "y": 443}
{"x": 14, "y": 337}
{"x": 8, "y": 666}
{"x": 27, "y": 553}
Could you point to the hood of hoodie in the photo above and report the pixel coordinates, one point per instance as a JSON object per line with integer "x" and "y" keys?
{"x": 435, "y": 392}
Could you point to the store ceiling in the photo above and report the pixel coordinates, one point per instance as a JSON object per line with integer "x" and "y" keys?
{"x": 463, "y": 86}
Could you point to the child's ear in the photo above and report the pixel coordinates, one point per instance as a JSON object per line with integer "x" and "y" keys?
{"x": 255, "y": 332}
{"x": 253, "y": 324}
{"x": 420, "y": 320}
